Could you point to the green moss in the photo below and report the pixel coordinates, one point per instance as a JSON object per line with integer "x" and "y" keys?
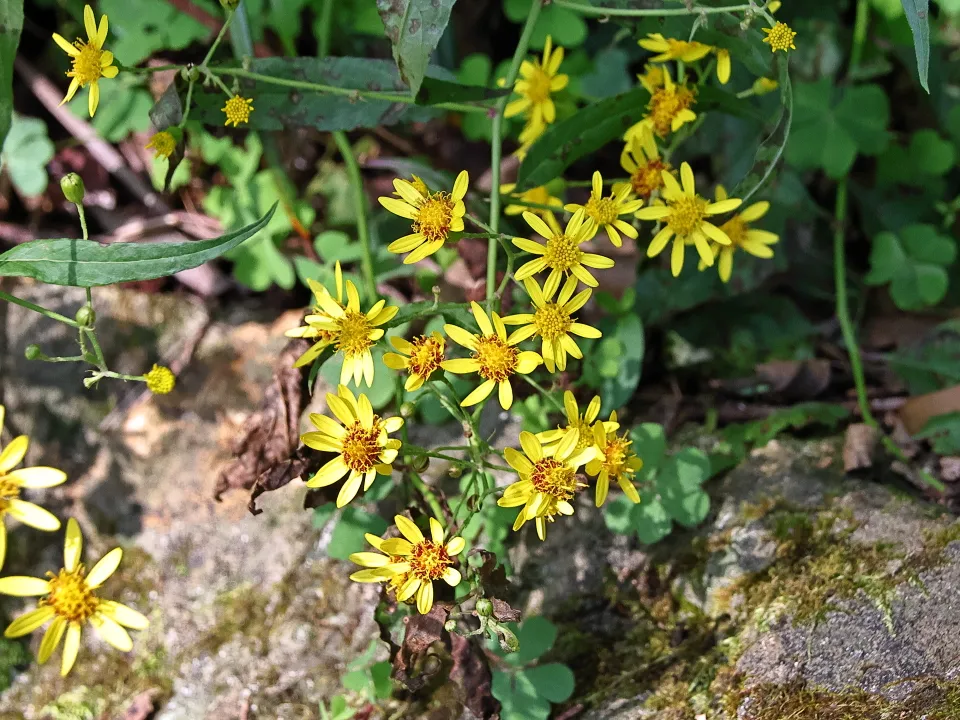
{"x": 242, "y": 610}
{"x": 14, "y": 656}
{"x": 81, "y": 703}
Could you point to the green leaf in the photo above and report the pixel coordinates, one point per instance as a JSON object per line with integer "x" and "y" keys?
{"x": 334, "y": 245}
{"x": 84, "y": 263}
{"x": 25, "y": 155}
{"x": 688, "y": 510}
{"x": 414, "y": 28}
{"x": 609, "y": 75}
{"x": 137, "y": 30}
{"x": 435, "y": 91}
{"x": 454, "y": 313}
{"x": 678, "y": 484}
{"x": 651, "y": 521}
{"x": 277, "y": 107}
{"x": 931, "y": 153}
{"x": 518, "y": 697}
{"x": 581, "y": 134}
{"x": 382, "y": 684}
{"x": 259, "y": 264}
{"x": 943, "y": 431}
{"x": 553, "y": 681}
{"x": 11, "y": 25}
{"x": 650, "y": 445}
{"x": 536, "y": 636}
{"x": 567, "y": 28}
{"x": 917, "y": 12}
{"x": 619, "y": 359}
{"x": 618, "y": 514}
{"x": 348, "y": 535}
{"x": 913, "y": 263}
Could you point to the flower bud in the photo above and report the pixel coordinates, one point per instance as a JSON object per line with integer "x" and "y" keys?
{"x": 764, "y": 85}
{"x": 230, "y": 5}
{"x": 85, "y": 316}
{"x": 455, "y": 471}
{"x": 484, "y": 607}
{"x": 72, "y": 186}
{"x": 33, "y": 352}
{"x": 420, "y": 463}
{"x": 160, "y": 380}
{"x": 450, "y": 625}
{"x": 508, "y": 641}
{"x": 407, "y": 409}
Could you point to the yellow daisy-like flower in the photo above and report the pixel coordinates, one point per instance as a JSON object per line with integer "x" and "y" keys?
{"x": 539, "y": 195}
{"x": 742, "y": 236}
{"x": 160, "y": 380}
{"x": 420, "y": 357}
{"x": 324, "y": 338}
{"x": 604, "y": 212}
{"x": 90, "y": 61}
{"x": 353, "y": 333}
{"x": 615, "y": 461}
{"x": 492, "y": 356}
{"x": 434, "y": 216}
{"x": 361, "y": 443}
{"x": 70, "y": 600}
{"x": 780, "y": 37}
{"x": 553, "y": 321}
{"x": 162, "y": 143}
{"x": 13, "y": 481}
{"x": 582, "y": 423}
{"x": 237, "y": 110}
{"x": 652, "y": 78}
{"x": 673, "y": 49}
{"x": 538, "y": 79}
{"x": 548, "y": 482}
{"x": 685, "y": 219}
{"x": 412, "y": 563}
{"x": 668, "y": 109}
{"x": 418, "y": 184}
{"x": 641, "y": 159}
{"x": 561, "y": 253}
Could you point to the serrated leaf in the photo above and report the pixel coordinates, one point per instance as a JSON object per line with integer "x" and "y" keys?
{"x": 414, "y": 28}
{"x": 917, "y": 12}
{"x": 581, "y": 134}
{"x": 11, "y": 25}
{"x": 84, "y": 263}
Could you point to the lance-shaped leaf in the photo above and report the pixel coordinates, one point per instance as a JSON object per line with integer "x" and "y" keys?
{"x": 917, "y": 15}
{"x": 414, "y": 28}
{"x": 11, "y": 23}
{"x": 84, "y": 263}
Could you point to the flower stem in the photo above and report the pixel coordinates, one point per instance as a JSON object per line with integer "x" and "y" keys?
{"x": 38, "y": 309}
{"x": 595, "y": 11}
{"x": 543, "y": 391}
{"x": 218, "y": 39}
{"x": 496, "y": 148}
{"x": 360, "y": 200}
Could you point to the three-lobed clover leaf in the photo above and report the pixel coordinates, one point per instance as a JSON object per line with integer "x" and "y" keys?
{"x": 25, "y": 155}
{"x": 927, "y": 157}
{"x": 913, "y": 261}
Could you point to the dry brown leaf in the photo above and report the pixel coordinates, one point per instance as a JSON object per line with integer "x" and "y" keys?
{"x": 916, "y": 411}
{"x": 859, "y": 446}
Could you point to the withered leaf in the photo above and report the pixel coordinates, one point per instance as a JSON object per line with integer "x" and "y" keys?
{"x": 422, "y": 632}
{"x": 471, "y": 672}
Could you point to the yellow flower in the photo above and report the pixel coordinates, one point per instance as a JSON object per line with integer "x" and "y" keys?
{"x": 742, "y": 236}
{"x": 553, "y": 322}
{"x": 12, "y": 481}
{"x": 723, "y": 65}
{"x": 162, "y": 143}
{"x": 493, "y": 357}
{"x": 672, "y": 49}
{"x": 237, "y": 110}
{"x": 352, "y": 331}
{"x": 434, "y": 215}
{"x": 547, "y": 483}
{"x": 90, "y": 61}
{"x": 561, "y": 253}
{"x": 539, "y": 195}
{"x": 615, "y": 461}
{"x": 583, "y": 424}
{"x": 415, "y": 559}
{"x": 780, "y": 37}
{"x": 764, "y": 85}
{"x": 418, "y": 184}
{"x": 668, "y": 109}
{"x": 160, "y": 380}
{"x": 652, "y": 78}
{"x": 536, "y": 82}
{"x": 641, "y": 159}
{"x": 530, "y": 133}
{"x": 604, "y": 212}
{"x": 420, "y": 358}
{"x": 361, "y": 443}
{"x": 70, "y": 600}
{"x": 685, "y": 216}
{"x": 325, "y": 338}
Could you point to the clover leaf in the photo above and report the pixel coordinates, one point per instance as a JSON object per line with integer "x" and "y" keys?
{"x": 913, "y": 262}
{"x": 26, "y": 152}
{"x": 928, "y": 156}
{"x": 526, "y": 692}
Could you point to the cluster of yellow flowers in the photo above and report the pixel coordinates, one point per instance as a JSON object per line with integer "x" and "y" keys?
{"x": 68, "y": 599}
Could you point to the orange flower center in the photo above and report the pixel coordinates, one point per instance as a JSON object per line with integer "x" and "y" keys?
{"x": 8, "y": 491}
{"x": 426, "y": 354}
{"x": 538, "y": 85}
{"x": 434, "y": 216}
{"x": 552, "y": 477}
{"x": 686, "y": 215}
{"x": 603, "y": 210}
{"x": 361, "y": 445}
{"x": 646, "y": 179}
{"x": 86, "y": 65}
{"x": 736, "y": 229}
{"x": 70, "y": 596}
{"x": 498, "y": 361}
{"x": 615, "y": 456}
{"x": 552, "y": 321}
{"x": 665, "y": 104}
{"x": 429, "y": 560}
{"x": 353, "y": 333}
{"x": 562, "y": 253}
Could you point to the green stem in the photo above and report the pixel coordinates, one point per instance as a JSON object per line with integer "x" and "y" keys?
{"x": 218, "y": 39}
{"x": 86, "y": 236}
{"x": 859, "y": 34}
{"x": 480, "y": 224}
{"x": 38, "y": 309}
{"x": 843, "y": 310}
{"x": 544, "y": 392}
{"x": 509, "y": 271}
{"x": 427, "y": 495}
{"x": 323, "y": 28}
{"x": 360, "y": 200}
{"x": 348, "y": 92}
{"x": 187, "y": 104}
{"x": 92, "y": 337}
{"x": 594, "y": 11}
{"x": 496, "y": 147}
{"x": 481, "y": 235}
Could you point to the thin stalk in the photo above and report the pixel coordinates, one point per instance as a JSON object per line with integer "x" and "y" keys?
{"x": 360, "y": 200}
{"x": 496, "y": 147}
{"x": 86, "y": 236}
{"x": 543, "y": 391}
{"x": 859, "y": 33}
{"x": 594, "y": 11}
{"x": 324, "y": 23}
{"x": 427, "y": 495}
{"x": 39, "y": 309}
{"x": 218, "y": 39}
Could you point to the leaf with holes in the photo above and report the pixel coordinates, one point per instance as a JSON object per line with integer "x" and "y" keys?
{"x": 414, "y": 28}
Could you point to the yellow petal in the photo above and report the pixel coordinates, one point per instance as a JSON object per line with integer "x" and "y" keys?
{"x": 455, "y": 546}
{"x": 13, "y": 453}
{"x": 436, "y": 531}
{"x": 111, "y": 632}
{"x": 28, "y": 622}
{"x": 408, "y": 529}
{"x": 37, "y": 477}
{"x": 23, "y": 586}
{"x": 33, "y": 515}
{"x": 51, "y": 638}
{"x": 106, "y": 567}
{"x": 67, "y": 47}
{"x": 126, "y": 616}
{"x": 72, "y": 546}
{"x": 425, "y": 598}
{"x": 71, "y": 646}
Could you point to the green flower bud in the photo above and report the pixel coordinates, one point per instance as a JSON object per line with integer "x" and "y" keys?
{"x": 455, "y": 471}
{"x": 33, "y": 352}
{"x": 407, "y": 409}
{"x": 85, "y": 316}
{"x": 450, "y": 625}
{"x": 484, "y": 607}
{"x": 508, "y": 641}
{"x": 420, "y": 463}
{"x": 229, "y": 4}
{"x": 72, "y": 187}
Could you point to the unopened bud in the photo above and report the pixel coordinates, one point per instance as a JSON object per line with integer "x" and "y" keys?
{"x": 229, "y": 4}
{"x": 72, "y": 186}
{"x": 407, "y": 409}
{"x": 484, "y": 607}
{"x": 508, "y": 641}
{"x": 85, "y": 316}
{"x": 455, "y": 471}
{"x": 450, "y": 625}
{"x": 33, "y": 352}
{"x": 762, "y": 86}
{"x": 420, "y": 463}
